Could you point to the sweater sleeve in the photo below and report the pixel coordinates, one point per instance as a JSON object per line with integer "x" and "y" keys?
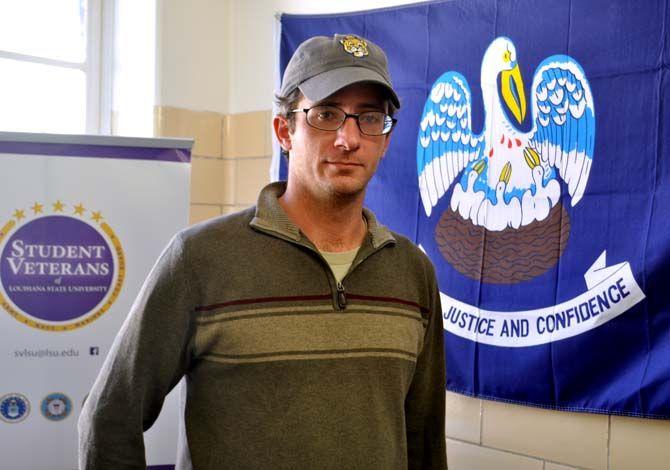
{"x": 147, "y": 359}
{"x": 425, "y": 401}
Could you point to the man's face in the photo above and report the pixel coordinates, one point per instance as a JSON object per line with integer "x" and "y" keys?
{"x": 337, "y": 163}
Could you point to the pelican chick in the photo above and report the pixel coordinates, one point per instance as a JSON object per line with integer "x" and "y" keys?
{"x": 536, "y": 205}
{"x": 467, "y": 202}
{"x": 499, "y": 216}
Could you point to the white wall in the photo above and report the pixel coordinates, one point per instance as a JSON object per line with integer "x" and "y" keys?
{"x": 253, "y": 54}
{"x": 134, "y": 68}
{"x": 192, "y": 54}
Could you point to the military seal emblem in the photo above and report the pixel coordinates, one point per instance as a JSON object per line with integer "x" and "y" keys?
{"x": 14, "y": 408}
{"x": 56, "y": 406}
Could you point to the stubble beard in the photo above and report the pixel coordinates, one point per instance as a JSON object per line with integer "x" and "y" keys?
{"x": 348, "y": 196}
{"x": 343, "y": 192}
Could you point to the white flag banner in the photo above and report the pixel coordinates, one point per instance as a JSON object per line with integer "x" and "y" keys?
{"x": 82, "y": 220}
{"x": 611, "y": 290}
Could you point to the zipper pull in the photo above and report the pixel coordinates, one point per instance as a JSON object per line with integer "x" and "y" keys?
{"x": 341, "y": 296}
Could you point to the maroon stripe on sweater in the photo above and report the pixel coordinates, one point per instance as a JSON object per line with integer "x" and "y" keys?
{"x": 206, "y": 308}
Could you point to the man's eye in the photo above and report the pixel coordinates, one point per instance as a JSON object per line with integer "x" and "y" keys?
{"x": 325, "y": 115}
{"x": 370, "y": 118}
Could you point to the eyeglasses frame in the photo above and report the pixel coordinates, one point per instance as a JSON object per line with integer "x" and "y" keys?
{"x": 356, "y": 117}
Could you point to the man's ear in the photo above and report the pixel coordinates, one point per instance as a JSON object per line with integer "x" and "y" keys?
{"x": 282, "y": 131}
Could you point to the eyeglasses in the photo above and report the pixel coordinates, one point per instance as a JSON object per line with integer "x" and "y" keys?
{"x": 331, "y": 118}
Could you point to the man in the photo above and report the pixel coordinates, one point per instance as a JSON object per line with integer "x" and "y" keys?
{"x": 309, "y": 335}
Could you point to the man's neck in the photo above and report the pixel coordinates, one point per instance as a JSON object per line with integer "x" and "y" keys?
{"x": 333, "y": 224}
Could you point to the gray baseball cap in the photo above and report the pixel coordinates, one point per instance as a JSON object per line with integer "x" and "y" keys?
{"x": 322, "y": 65}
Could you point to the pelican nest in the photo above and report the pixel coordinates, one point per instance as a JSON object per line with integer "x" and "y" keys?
{"x": 506, "y": 257}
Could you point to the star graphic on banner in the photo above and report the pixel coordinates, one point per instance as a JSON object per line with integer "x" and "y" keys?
{"x": 97, "y": 216}
{"x": 19, "y": 214}
{"x": 37, "y": 208}
{"x": 58, "y": 206}
{"x": 79, "y": 209}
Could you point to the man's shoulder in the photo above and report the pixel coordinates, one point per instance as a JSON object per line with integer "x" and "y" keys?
{"x": 411, "y": 256}
{"x": 408, "y": 247}
{"x": 227, "y": 226}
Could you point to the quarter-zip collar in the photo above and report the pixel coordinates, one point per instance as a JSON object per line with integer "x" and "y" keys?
{"x": 271, "y": 218}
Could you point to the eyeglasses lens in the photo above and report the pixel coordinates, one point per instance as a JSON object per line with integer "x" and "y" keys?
{"x": 330, "y": 118}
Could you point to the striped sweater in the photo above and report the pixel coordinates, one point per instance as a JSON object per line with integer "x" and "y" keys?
{"x": 285, "y": 368}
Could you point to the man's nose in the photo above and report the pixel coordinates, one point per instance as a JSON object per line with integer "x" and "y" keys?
{"x": 348, "y": 135}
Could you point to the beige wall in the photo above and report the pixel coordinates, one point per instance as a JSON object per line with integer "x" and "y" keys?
{"x": 221, "y": 95}
{"x": 230, "y": 158}
{"x": 483, "y": 434}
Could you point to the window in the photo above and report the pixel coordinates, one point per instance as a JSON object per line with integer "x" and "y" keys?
{"x": 51, "y": 57}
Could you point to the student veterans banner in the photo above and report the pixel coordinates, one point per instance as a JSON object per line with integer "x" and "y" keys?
{"x": 530, "y": 162}
{"x": 82, "y": 220}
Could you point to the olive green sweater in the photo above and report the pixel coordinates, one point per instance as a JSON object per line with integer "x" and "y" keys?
{"x": 285, "y": 368}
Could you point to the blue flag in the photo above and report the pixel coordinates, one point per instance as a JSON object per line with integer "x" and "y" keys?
{"x": 531, "y": 163}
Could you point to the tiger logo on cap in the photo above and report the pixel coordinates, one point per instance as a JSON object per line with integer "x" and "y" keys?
{"x": 355, "y": 46}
